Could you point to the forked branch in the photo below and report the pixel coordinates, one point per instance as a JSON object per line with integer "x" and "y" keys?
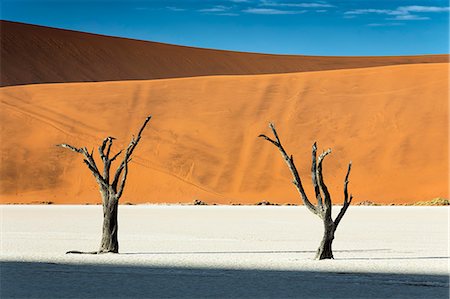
{"x": 88, "y": 160}
{"x": 126, "y": 159}
{"x": 290, "y": 163}
{"x": 104, "y": 152}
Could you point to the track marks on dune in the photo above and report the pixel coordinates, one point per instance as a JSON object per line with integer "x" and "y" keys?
{"x": 147, "y": 164}
{"x": 61, "y": 122}
{"x": 83, "y": 133}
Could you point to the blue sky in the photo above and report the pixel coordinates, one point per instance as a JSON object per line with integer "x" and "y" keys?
{"x": 349, "y": 27}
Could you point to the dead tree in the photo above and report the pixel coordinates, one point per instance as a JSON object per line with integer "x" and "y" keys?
{"x": 324, "y": 203}
{"x": 111, "y": 188}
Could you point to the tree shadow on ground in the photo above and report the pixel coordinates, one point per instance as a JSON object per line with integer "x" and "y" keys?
{"x": 244, "y": 252}
{"x": 52, "y": 280}
{"x": 396, "y": 258}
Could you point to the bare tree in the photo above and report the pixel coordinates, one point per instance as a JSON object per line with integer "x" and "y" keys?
{"x": 111, "y": 188}
{"x": 324, "y": 204}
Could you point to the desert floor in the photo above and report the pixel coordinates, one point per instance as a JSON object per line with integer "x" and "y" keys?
{"x": 224, "y": 252}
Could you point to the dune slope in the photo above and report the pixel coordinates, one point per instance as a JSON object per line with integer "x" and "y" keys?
{"x": 392, "y": 122}
{"x": 36, "y": 54}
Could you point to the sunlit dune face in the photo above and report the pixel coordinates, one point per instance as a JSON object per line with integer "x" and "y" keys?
{"x": 392, "y": 122}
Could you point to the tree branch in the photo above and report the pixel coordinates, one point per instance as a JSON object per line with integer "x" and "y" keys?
{"x": 129, "y": 151}
{"x": 107, "y": 143}
{"x": 290, "y": 163}
{"x": 115, "y": 156}
{"x": 322, "y": 186}
{"x": 88, "y": 160}
{"x": 314, "y": 177}
{"x": 72, "y": 148}
{"x": 96, "y": 174}
{"x": 270, "y": 140}
{"x": 122, "y": 183}
{"x": 101, "y": 149}
{"x": 108, "y": 150}
{"x": 347, "y": 200}
{"x": 346, "y": 181}
{"x": 91, "y": 160}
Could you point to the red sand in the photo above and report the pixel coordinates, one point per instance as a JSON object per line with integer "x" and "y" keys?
{"x": 36, "y": 54}
{"x": 202, "y": 142}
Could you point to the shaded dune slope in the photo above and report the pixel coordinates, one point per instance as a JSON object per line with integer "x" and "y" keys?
{"x": 202, "y": 143}
{"x": 35, "y": 54}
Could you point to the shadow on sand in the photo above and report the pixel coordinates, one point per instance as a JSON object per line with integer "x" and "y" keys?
{"x": 51, "y": 280}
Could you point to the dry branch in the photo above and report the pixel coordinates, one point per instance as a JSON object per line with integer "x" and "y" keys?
{"x": 324, "y": 203}
{"x": 290, "y": 163}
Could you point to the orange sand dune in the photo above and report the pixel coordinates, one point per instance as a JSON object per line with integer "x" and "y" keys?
{"x": 202, "y": 141}
{"x": 36, "y": 54}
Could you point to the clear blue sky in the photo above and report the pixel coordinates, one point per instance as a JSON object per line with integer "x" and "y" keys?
{"x": 349, "y": 27}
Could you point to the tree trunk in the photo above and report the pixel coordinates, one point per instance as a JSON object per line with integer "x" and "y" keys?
{"x": 325, "y": 250}
{"x": 110, "y": 242}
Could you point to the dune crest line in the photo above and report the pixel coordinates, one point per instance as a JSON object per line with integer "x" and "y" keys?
{"x": 59, "y": 56}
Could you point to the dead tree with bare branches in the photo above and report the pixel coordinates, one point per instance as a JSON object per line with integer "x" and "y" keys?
{"x": 324, "y": 203}
{"x": 111, "y": 188}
